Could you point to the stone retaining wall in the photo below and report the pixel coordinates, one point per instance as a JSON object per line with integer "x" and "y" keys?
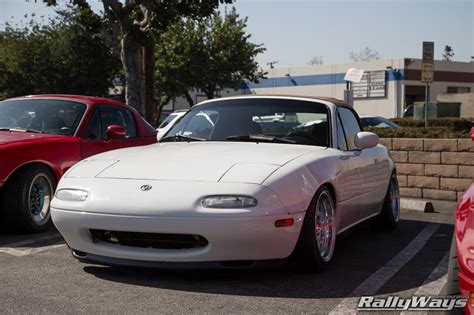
{"x": 432, "y": 168}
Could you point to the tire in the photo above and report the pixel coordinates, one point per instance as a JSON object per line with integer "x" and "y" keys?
{"x": 390, "y": 214}
{"x": 452, "y": 285}
{"x": 26, "y": 199}
{"x": 315, "y": 247}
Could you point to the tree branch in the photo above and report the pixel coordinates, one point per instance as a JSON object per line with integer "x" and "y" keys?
{"x": 113, "y": 23}
{"x": 144, "y": 24}
{"x": 115, "y": 5}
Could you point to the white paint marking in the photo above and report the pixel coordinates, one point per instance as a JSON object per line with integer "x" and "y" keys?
{"x": 433, "y": 285}
{"x": 373, "y": 283}
{"x": 31, "y": 241}
{"x": 18, "y": 248}
{"x": 29, "y": 251}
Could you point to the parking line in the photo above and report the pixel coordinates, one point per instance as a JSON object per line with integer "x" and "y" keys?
{"x": 31, "y": 241}
{"x": 373, "y": 283}
{"x": 17, "y": 248}
{"x": 29, "y": 251}
{"x": 434, "y": 284}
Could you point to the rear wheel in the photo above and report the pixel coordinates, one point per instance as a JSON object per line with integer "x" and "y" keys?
{"x": 390, "y": 214}
{"x": 317, "y": 240}
{"x": 26, "y": 199}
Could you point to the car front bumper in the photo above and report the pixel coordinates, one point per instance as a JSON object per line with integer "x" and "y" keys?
{"x": 466, "y": 286}
{"x": 229, "y": 239}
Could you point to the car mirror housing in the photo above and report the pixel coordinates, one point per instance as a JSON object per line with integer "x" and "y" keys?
{"x": 364, "y": 140}
{"x": 116, "y": 132}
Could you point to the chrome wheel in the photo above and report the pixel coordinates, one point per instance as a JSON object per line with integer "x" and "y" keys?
{"x": 40, "y": 194}
{"x": 394, "y": 195}
{"x": 325, "y": 228}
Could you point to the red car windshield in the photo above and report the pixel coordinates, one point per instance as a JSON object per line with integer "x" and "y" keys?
{"x": 41, "y": 115}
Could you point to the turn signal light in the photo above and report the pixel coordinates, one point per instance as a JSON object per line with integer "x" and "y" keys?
{"x": 284, "y": 222}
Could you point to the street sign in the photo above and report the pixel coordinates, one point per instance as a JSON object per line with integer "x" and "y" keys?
{"x": 354, "y": 75}
{"x": 427, "y": 64}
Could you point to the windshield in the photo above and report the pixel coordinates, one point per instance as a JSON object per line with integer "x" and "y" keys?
{"x": 41, "y": 115}
{"x": 167, "y": 121}
{"x": 378, "y": 122}
{"x": 274, "y": 120}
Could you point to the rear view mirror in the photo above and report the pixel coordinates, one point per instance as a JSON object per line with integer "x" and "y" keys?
{"x": 364, "y": 140}
{"x": 116, "y": 132}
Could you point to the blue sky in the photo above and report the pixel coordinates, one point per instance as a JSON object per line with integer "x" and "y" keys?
{"x": 293, "y": 31}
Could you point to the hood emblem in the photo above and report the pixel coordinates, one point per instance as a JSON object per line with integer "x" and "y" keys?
{"x": 145, "y": 187}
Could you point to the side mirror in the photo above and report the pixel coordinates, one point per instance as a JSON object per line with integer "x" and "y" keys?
{"x": 116, "y": 132}
{"x": 472, "y": 133}
{"x": 364, "y": 140}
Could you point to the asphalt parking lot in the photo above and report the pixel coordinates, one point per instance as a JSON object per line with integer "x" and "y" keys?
{"x": 38, "y": 275}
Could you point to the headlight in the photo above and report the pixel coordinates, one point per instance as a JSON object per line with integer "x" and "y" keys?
{"x": 71, "y": 194}
{"x": 229, "y": 202}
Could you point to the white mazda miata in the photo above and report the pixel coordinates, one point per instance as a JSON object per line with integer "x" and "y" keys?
{"x": 241, "y": 179}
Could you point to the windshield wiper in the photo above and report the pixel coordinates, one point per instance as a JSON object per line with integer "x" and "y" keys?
{"x": 259, "y": 138}
{"x": 180, "y": 138}
{"x": 21, "y": 130}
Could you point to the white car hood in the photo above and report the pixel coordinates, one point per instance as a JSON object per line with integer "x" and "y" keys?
{"x": 244, "y": 162}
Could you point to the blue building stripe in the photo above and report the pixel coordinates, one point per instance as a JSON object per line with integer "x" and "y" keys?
{"x": 316, "y": 79}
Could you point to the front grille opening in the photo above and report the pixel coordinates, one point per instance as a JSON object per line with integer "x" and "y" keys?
{"x": 149, "y": 240}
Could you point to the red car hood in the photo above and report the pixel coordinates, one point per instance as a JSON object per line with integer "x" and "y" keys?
{"x": 7, "y": 137}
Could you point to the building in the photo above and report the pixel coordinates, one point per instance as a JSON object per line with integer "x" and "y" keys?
{"x": 387, "y": 87}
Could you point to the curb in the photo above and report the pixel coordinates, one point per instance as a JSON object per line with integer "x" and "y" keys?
{"x": 428, "y": 206}
{"x": 417, "y": 205}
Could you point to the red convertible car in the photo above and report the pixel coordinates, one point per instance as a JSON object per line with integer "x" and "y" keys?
{"x": 42, "y": 136}
{"x": 461, "y": 263}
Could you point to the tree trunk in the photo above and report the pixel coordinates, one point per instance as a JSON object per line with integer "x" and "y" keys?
{"x": 189, "y": 99}
{"x": 210, "y": 92}
{"x": 131, "y": 55}
{"x": 162, "y": 103}
{"x": 149, "y": 75}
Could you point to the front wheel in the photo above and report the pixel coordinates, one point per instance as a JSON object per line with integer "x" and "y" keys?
{"x": 317, "y": 240}
{"x": 27, "y": 198}
{"x": 452, "y": 285}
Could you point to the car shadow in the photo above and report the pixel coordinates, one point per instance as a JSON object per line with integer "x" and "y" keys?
{"x": 359, "y": 253}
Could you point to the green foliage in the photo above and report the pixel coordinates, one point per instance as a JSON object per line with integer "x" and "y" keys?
{"x": 66, "y": 56}
{"x": 414, "y": 132}
{"x": 438, "y": 128}
{"x": 367, "y": 54}
{"x": 207, "y": 54}
{"x": 455, "y": 124}
{"x": 448, "y": 53}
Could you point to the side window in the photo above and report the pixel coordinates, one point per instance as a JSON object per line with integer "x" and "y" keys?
{"x": 94, "y": 129}
{"x": 129, "y": 123}
{"x": 350, "y": 125}
{"x": 116, "y": 116}
{"x": 341, "y": 138}
{"x": 167, "y": 121}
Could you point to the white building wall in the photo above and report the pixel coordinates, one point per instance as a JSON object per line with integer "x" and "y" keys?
{"x": 386, "y": 106}
{"x": 327, "y": 80}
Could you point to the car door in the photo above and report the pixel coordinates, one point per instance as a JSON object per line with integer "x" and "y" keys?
{"x": 95, "y": 140}
{"x": 366, "y": 163}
